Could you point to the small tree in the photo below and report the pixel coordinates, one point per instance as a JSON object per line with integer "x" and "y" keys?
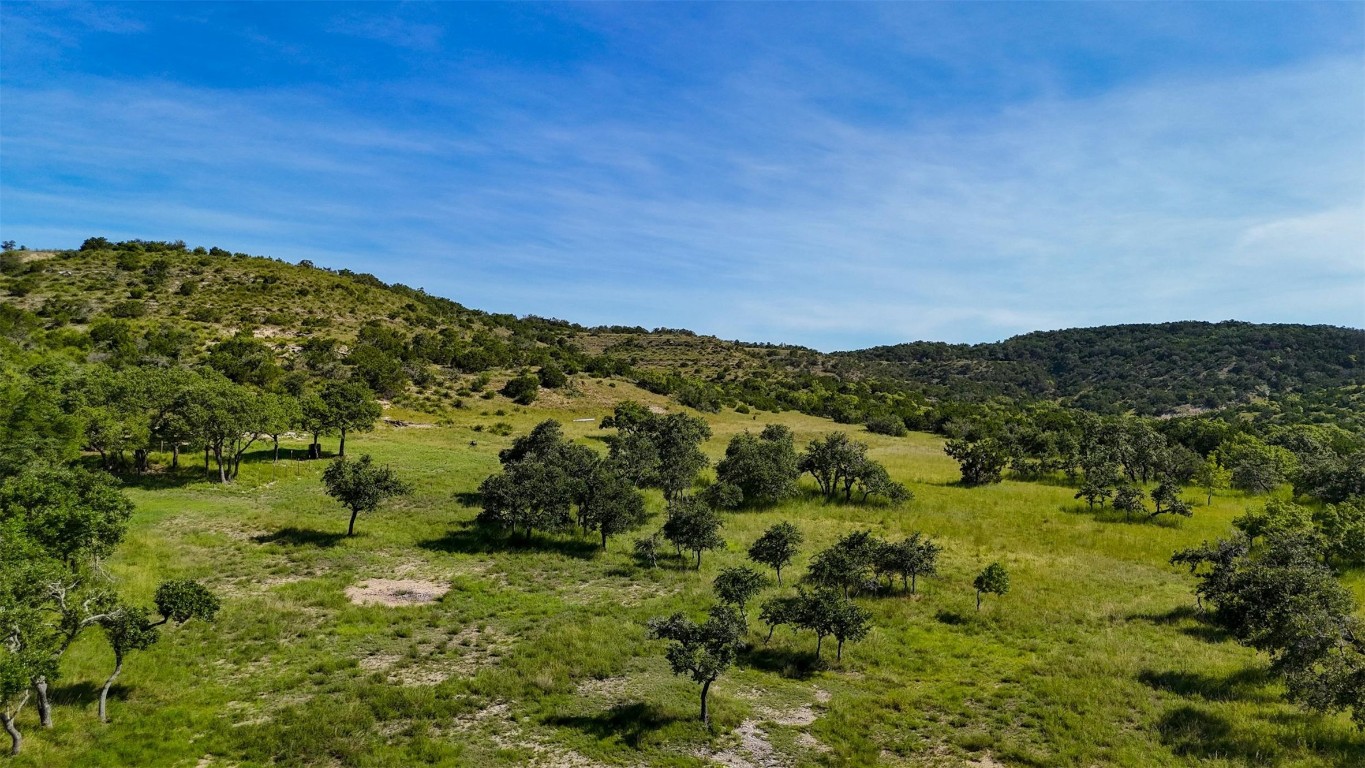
{"x": 701, "y": 651}
{"x": 780, "y": 610}
{"x": 737, "y": 586}
{"x": 25, "y": 654}
{"x": 693, "y": 526}
{"x": 1128, "y": 500}
{"x": 818, "y": 611}
{"x": 1212, "y": 477}
{"x": 1165, "y": 494}
{"x": 833, "y": 461}
{"x": 678, "y": 437}
{"x": 361, "y": 486}
{"x": 1093, "y": 492}
{"x": 994, "y": 579}
{"x": 180, "y": 601}
{"x": 871, "y": 478}
{"x": 762, "y": 469}
{"x": 611, "y": 505}
{"x": 910, "y": 558}
{"x": 848, "y": 564}
{"x": 982, "y": 462}
{"x": 647, "y": 549}
{"x": 776, "y": 547}
{"x": 849, "y": 624}
{"x": 315, "y": 420}
{"x": 281, "y": 414}
{"x": 350, "y": 407}
{"x": 130, "y": 629}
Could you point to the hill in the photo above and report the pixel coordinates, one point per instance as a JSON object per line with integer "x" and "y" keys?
{"x": 1150, "y": 369}
{"x": 177, "y": 301}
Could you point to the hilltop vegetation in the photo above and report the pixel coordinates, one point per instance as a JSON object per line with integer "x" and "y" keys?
{"x": 1149, "y": 369}
{"x": 178, "y": 300}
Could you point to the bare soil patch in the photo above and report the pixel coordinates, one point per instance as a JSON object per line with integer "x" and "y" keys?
{"x": 396, "y": 592}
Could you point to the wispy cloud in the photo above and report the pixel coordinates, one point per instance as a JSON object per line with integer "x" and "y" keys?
{"x": 752, "y": 204}
{"x": 389, "y": 28}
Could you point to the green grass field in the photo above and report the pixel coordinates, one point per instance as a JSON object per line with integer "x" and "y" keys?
{"x": 538, "y": 655}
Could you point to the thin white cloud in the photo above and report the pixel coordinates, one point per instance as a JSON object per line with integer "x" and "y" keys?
{"x": 745, "y": 208}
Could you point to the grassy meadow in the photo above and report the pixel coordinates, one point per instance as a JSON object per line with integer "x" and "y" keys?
{"x": 537, "y": 655}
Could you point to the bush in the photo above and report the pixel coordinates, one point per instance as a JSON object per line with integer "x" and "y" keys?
{"x": 523, "y": 389}
{"x": 887, "y": 425}
{"x": 130, "y": 308}
{"x": 552, "y": 377}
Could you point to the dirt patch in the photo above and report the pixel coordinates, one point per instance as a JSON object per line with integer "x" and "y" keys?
{"x": 753, "y": 750}
{"x": 801, "y": 716}
{"x": 658, "y": 409}
{"x": 496, "y": 711}
{"x": 437, "y": 659}
{"x": 605, "y": 688}
{"x": 378, "y": 661}
{"x": 396, "y": 592}
{"x": 617, "y": 591}
{"x": 807, "y": 741}
{"x": 400, "y": 424}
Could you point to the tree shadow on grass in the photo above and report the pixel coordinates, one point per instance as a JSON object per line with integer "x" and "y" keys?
{"x": 952, "y": 618}
{"x": 300, "y": 537}
{"x": 791, "y": 664}
{"x": 475, "y": 539}
{"x": 1111, "y": 515}
{"x": 1195, "y": 733}
{"x": 84, "y": 693}
{"x": 1189, "y": 622}
{"x": 629, "y": 722}
{"x": 1192, "y": 732}
{"x": 1245, "y": 685}
{"x": 471, "y": 499}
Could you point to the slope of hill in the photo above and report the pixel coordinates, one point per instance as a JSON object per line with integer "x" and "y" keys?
{"x": 189, "y": 298}
{"x": 1151, "y": 369}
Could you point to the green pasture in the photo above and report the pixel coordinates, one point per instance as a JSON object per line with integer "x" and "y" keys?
{"x": 538, "y": 655}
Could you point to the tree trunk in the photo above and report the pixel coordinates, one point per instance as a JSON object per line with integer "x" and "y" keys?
{"x": 341, "y": 451}
{"x": 16, "y": 738}
{"x": 698, "y": 560}
{"x": 978, "y": 599}
{"x": 175, "y": 455}
{"x": 277, "y": 448}
{"x": 604, "y": 540}
{"x": 705, "y": 689}
{"x": 350, "y": 529}
{"x": 206, "y": 459}
{"x": 912, "y": 582}
{"x": 222, "y": 468}
{"x": 819, "y": 641}
{"x": 771, "y": 629}
{"x": 779, "y": 575}
{"x": 104, "y": 692}
{"x": 839, "y": 654}
{"x": 44, "y": 706}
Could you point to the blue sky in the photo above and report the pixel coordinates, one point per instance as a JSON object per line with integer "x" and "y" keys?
{"x": 834, "y": 175}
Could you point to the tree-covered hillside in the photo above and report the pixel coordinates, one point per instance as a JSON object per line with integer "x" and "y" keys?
{"x": 1152, "y": 369}
{"x": 142, "y": 302}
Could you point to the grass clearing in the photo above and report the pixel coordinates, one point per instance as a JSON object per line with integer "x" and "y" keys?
{"x": 536, "y": 654}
